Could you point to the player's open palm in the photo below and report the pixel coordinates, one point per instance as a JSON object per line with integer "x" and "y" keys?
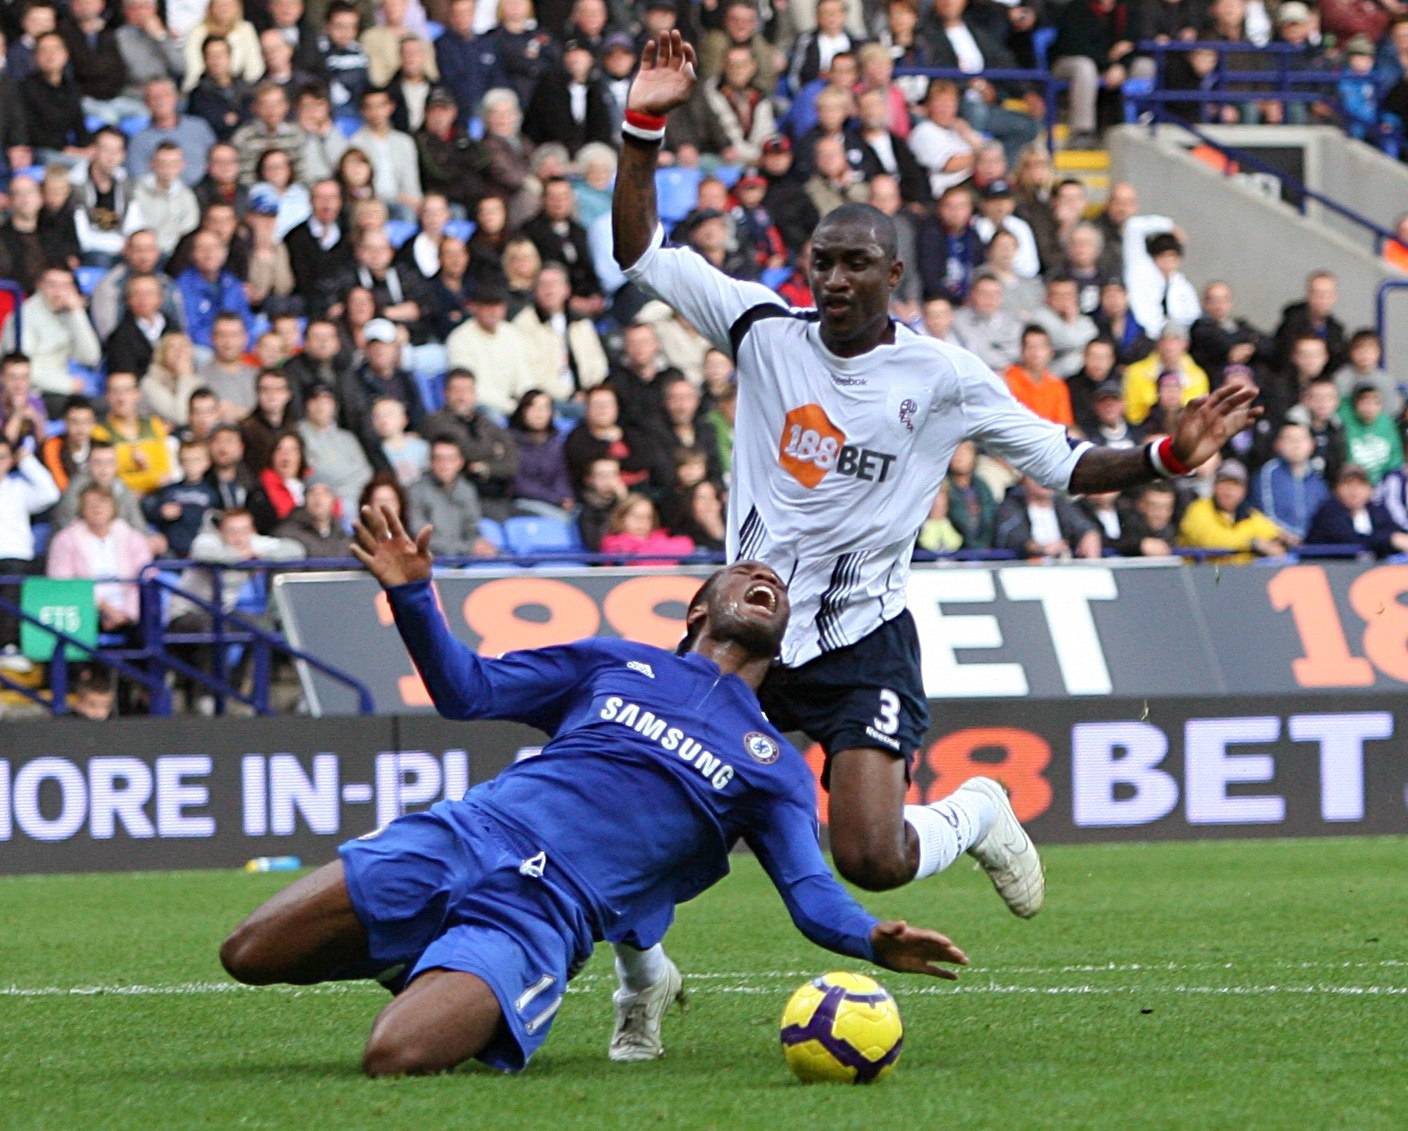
{"x": 666, "y": 77}
{"x": 913, "y": 950}
{"x": 384, "y": 547}
{"x": 1207, "y": 423}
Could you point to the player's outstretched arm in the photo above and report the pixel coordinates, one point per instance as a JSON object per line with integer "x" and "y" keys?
{"x": 1206, "y": 424}
{"x": 664, "y": 82}
{"x": 914, "y": 950}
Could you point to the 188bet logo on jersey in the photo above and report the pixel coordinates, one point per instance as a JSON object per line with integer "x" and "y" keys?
{"x": 812, "y": 447}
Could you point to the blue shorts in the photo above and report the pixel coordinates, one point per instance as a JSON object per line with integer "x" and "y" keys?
{"x": 453, "y": 889}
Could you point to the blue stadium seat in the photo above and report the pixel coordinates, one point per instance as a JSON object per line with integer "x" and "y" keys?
{"x": 41, "y": 531}
{"x": 774, "y": 277}
{"x": 95, "y": 379}
{"x": 492, "y": 531}
{"x": 460, "y": 229}
{"x": 348, "y": 124}
{"x": 676, "y": 193}
{"x": 434, "y": 30}
{"x": 92, "y": 123}
{"x": 88, "y": 278}
{"x": 531, "y": 534}
{"x": 259, "y": 327}
{"x": 729, "y": 174}
{"x": 431, "y": 387}
{"x": 399, "y": 231}
{"x": 1132, "y": 88}
{"x": 134, "y": 124}
{"x": 1042, "y": 40}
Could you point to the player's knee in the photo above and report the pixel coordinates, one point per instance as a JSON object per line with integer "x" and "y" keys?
{"x": 871, "y": 866}
{"x": 241, "y": 955}
{"x": 391, "y": 1054}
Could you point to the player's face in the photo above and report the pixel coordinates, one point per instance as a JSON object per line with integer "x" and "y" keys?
{"x": 748, "y": 605}
{"x": 851, "y": 277}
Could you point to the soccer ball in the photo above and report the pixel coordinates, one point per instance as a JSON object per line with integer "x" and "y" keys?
{"x": 843, "y": 1028}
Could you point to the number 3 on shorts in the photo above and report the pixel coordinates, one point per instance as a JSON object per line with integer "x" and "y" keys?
{"x": 888, "y": 720}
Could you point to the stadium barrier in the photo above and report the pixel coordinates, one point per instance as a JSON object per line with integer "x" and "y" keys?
{"x": 200, "y": 793}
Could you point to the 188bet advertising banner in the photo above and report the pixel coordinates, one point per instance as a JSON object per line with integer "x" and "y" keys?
{"x": 1013, "y": 631}
{"x": 135, "y": 794}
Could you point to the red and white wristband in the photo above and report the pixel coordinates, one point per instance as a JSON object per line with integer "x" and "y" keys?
{"x": 1166, "y": 465}
{"x": 644, "y": 127}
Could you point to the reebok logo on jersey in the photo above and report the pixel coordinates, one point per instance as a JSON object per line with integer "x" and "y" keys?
{"x": 811, "y": 447}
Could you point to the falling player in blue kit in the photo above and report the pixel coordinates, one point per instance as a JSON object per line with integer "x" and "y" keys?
{"x": 479, "y": 911}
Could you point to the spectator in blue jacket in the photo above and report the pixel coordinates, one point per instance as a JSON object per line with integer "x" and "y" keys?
{"x": 1350, "y": 517}
{"x": 178, "y": 510}
{"x": 208, "y": 290}
{"x": 1287, "y": 489}
{"x": 467, "y": 63}
{"x": 1358, "y": 88}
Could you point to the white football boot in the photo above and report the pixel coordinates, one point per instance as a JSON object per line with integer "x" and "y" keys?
{"x": 638, "y": 1016}
{"x": 1007, "y": 854}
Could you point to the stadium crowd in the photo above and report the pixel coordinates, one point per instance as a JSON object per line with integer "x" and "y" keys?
{"x": 272, "y": 261}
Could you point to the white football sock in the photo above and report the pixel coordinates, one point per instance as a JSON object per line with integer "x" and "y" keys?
{"x": 637, "y": 970}
{"x": 948, "y": 828}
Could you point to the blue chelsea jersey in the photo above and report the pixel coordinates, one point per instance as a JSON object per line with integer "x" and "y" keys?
{"x": 656, "y": 765}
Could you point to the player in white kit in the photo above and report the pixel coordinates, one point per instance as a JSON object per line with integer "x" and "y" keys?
{"x": 846, "y": 422}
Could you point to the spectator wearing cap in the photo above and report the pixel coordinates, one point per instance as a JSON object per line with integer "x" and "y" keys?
{"x": 559, "y": 238}
{"x": 786, "y": 199}
{"x": 1033, "y": 384}
{"x": 1170, "y": 356}
{"x": 335, "y": 454}
{"x": 1352, "y": 517}
{"x": 1220, "y": 338}
{"x": 1108, "y": 426}
{"x": 997, "y": 210}
{"x": 1225, "y": 520}
{"x": 982, "y": 326}
{"x": 269, "y": 273}
{"x": 208, "y": 290}
{"x": 618, "y": 64}
{"x": 1372, "y": 440}
{"x": 1036, "y": 522}
{"x": 570, "y": 105}
{"x": 1359, "y": 92}
{"x": 740, "y": 26}
{"x": 1287, "y": 489}
{"x": 395, "y": 168}
{"x": 451, "y": 162}
{"x": 468, "y": 65}
{"x": 161, "y": 202}
{"x": 411, "y": 84}
{"x": 494, "y": 350}
{"x": 566, "y": 354}
{"x": 380, "y": 375}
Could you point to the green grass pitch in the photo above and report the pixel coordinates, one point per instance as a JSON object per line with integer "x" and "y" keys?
{"x": 1210, "y": 985}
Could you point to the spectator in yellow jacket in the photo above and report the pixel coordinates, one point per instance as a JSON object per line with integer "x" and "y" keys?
{"x": 1141, "y": 378}
{"x": 143, "y": 454}
{"x": 1225, "y": 521}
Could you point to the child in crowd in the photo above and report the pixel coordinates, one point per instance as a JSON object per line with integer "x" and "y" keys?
{"x": 406, "y": 453}
{"x": 1371, "y": 438}
{"x": 178, "y": 510}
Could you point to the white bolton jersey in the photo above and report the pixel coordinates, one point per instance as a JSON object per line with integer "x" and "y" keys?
{"x": 836, "y": 460}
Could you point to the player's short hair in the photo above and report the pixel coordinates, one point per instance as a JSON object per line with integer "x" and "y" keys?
{"x": 701, "y": 597}
{"x": 882, "y": 227}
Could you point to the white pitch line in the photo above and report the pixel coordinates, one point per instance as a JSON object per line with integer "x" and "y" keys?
{"x": 716, "y": 987}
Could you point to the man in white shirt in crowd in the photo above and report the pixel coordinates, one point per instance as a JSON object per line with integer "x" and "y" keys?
{"x": 55, "y": 333}
{"x": 395, "y": 164}
{"x": 494, "y": 350}
{"x": 162, "y": 203}
{"x": 26, "y": 489}
{"x": 943, "y": 142}
{"x": 566, "y": 354}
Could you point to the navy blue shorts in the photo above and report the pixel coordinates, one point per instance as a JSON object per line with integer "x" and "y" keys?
{"x": 868, "y": 695}
{"x": 453, "y": 889}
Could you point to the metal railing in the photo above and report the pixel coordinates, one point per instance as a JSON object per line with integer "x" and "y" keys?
{"x": 1299, "y": 192}
{"x": 1381, "y": 307}
{"x": 1050, "y": 84}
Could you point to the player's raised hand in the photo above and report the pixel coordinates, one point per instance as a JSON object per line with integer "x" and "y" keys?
{"x": 1207, "y": 423}
{"x": 666, "y": 77}
{"x": 384, "y": 547}
{"x": 913, "y": 950}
